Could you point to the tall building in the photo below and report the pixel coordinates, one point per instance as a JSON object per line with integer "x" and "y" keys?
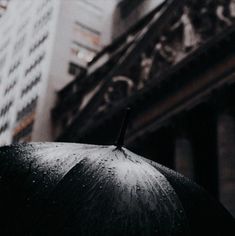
{"x": 26, "y": 50}
{"x": 44, "y": 43}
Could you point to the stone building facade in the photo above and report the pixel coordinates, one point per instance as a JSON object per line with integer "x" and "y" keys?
{"x": 176, "y": 71}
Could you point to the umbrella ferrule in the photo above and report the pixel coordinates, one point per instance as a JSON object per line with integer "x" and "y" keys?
{"x": 121, "y": 136}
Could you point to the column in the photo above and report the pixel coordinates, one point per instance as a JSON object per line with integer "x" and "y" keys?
{"x": 184, "y": 157}
{"x": 204, "y": 144}
{"x": 226, "y": 160}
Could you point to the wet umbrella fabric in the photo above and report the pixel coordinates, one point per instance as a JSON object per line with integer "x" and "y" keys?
{"x": 77, "y": 189}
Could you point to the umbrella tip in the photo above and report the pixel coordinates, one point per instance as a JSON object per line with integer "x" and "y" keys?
{"x": 121, "y": 136}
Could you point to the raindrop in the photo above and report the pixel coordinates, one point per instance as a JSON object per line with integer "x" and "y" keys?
{"x": 83, "y": 185}
{"x": 138, "y": 188}
{"x": 101, "y": 187}
{"x": 33, "y": 181}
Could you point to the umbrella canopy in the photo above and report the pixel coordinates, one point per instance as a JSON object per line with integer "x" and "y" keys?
{"x": 78, "y": 189}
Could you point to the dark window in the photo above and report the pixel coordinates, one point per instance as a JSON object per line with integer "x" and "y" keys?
{"x": 4, "y": 127}
{"x": 36, "y": 62}
{"x": 127, "y": 6}
{"x": 6, "y": 108}
{"x": 10, "y": 87}
{"x": 14, "y": 67}
{"x": 24, "y": 134}
{"x": 87, "y": 28}
{"x": 29, "y": 108}
{"x": 38, "y": 43}
{"x": 43, "y": 20}
{"x": 75, "y": 70}
{"x": 33, "y": 83}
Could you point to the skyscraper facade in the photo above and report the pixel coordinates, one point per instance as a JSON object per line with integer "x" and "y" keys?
{"x": 44, "y": 43}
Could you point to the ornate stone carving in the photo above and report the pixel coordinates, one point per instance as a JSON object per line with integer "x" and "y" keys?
{"x": 188, "y": 29}
{"x": 196, "y": 23}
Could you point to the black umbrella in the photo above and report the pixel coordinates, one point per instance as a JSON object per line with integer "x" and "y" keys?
{"x": 89, "y": 190}
{"x": 78, "y": 189}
